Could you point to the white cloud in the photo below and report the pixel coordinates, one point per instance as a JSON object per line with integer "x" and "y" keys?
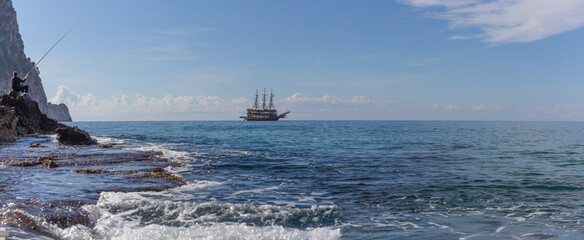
{"x": 482, "y": 107}
{"x": 72, "y": 99}
{"x": 478, "y": 108}
{"x": 141, "y": 107}
{"x": 86, "y": 107}
{"x": 449, "y": 107}
{"x": 331, "y": 107}
{"x": 506, "y": 21}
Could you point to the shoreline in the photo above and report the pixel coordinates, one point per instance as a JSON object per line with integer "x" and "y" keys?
{"x": 48, "y": 184}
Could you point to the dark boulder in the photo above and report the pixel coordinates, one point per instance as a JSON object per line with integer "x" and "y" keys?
{"x": 30, "y": 118}
{"x": 74, "y": 136}
{"x": 8, "y": 122}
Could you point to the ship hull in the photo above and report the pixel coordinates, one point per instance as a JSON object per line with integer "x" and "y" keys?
{"x": 261, "y": 115}
{"x": 252, "y": 119}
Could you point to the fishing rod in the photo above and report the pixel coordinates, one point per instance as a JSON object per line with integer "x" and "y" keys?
{"x": 37, "y": 63}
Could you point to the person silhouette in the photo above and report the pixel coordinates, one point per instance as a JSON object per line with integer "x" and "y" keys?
{"x": 16, "y": 86}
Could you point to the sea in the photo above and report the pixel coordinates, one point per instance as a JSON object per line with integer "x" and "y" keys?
{"x": 309, "y": 180}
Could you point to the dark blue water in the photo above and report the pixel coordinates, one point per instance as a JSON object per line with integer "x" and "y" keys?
{"x": 350, "y": 180}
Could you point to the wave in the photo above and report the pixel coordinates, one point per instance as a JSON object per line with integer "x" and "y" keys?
{"x": 179, "y": 213}
{"x": 142, "y": 215}
{"x": 152, "y": 210}
{"x": 17, "y": 224}
{"x": 171, "y": 155}
{"x": 256, "y": 191}
{"x": 213, "y": 231}
{"x": 105, "y": 140}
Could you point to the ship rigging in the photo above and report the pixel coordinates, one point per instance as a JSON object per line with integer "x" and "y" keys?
{"x": 265, "y": 112}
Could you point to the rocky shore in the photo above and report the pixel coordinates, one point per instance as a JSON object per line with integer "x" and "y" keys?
{"x": 61, "y": 180}
{"x": 28, "y": 145}
{"x": 21, "y": 116}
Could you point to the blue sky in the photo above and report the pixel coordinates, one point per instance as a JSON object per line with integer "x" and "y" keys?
{"x": 325, "y": 60}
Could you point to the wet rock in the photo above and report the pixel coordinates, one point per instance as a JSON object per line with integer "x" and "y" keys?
{"x": 74, "y": 218}
{"x": 90, "y": 171}
{"x": 159, "y": 172}
{"x": 52, "y": 164}
{"x": 37, "y": 145}
{"x": 74, "y": 136}
{"x": 108, "y": 145}
{"x": 23, "y": 221}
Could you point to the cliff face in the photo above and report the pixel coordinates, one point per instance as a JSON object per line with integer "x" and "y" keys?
{"x": 12, "y": 58}
{"x": 59, "y": 112}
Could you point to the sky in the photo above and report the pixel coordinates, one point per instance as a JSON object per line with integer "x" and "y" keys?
{"x": 149, "y": 60}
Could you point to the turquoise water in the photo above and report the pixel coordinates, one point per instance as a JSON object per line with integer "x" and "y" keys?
{"x": 346, "y": 180}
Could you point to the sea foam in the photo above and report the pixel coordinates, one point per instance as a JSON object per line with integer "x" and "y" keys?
{"x": 149, "y": 215}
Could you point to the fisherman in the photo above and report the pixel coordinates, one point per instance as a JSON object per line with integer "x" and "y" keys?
{"x": 16, "y": 86}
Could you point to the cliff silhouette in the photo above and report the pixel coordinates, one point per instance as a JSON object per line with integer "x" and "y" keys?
{"x": 13, "y": 58}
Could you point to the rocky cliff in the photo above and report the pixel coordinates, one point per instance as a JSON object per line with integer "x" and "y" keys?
{"x": 59, "y": 112}
{"x": 12, "y": 58}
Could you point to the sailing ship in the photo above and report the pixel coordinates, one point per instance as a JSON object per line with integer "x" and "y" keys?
{"x": 265, "y": 112}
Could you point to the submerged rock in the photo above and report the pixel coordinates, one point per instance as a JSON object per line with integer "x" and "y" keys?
{"x": 52, "y": 164}
{"x": 74, "y": 136}
{"x": 108, "y": 145}
{"x": 37, "y": 145}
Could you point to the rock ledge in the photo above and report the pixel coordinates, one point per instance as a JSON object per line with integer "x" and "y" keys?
{"x": 74, "y": 136}
{"x": 21, "y": 116}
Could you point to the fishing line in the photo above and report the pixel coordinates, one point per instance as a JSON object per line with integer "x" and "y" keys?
{"x": 39, "y": 61}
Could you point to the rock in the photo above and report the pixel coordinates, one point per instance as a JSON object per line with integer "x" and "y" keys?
{"x": 52, "y": 164}
{"x": 37, "y": 145}
{"x": 8, "y": 121}
{"x": 59, "y": 112}
{"x": 108, "y": 145}
{"x": 25, "y": 112}
{"x": 74, "y": 136}
{"x": 30, "y": 118}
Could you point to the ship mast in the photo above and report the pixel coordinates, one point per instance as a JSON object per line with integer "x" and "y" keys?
{"x": 255, "y": 105}
{"x": 264, "y": 101}
{"x": 271, "y": 105}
